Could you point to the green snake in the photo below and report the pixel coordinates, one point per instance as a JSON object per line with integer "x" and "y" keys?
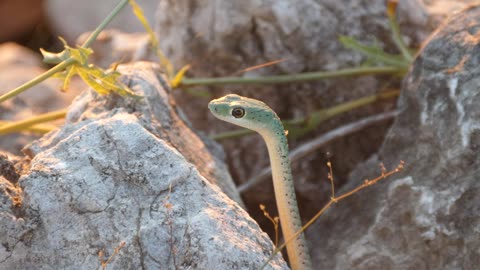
{"x": 257, "y": 116}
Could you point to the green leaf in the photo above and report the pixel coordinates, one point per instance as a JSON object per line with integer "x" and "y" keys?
{"x": 374, "y": 53}
{"x": 80, "y": 54}
{"x": 104, "y": 82}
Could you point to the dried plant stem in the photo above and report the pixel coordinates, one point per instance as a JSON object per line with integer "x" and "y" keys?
{"x": 289, "y": 78}
{"x": 273, "y": 220}
{"x": 335, "y": 199}
{"x": 37, "y": 128}
{"x": 30, "y": 122}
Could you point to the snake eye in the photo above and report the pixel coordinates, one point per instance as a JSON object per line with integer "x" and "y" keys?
{"x": 238, "y": 112}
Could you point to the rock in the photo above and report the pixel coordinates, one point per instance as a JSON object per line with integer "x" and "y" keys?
{"x": 70, "y": 18}
{"x": 19, "y": 65}
{"x": 129, "y": 174}
{"x": 427, "y": 217}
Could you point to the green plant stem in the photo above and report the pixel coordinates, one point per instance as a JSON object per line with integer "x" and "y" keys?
{"x": 301, "y": 77}
{"x": 322, "y": 115}
{"x": 42, "y": 77}
{"x": 38, "y": 128}
{"x": 104, "y": 23}
{"x": 27, "y": 123}
{"x": 398, "y": 40}
{"x": 328, "y": 113}
{"x": 62, "y": 65}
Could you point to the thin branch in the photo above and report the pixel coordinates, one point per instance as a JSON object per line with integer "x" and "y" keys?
{"x": 38, "y": 128}
{"x": 311, "y": 146}
{"x": 273, "y": 220}
{"x": 104, "y": 23}
{"x": 366, "y": 183}
{"x": 267, "y": 64}
{"x": 289, "y": 78}
{"x": 42, "y": 77}
{"x": 330, "y": 178}
{"x": 27, "y": 123}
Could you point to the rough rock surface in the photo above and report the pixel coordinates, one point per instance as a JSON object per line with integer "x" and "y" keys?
{"x": 427, "y": 217}
{"x": 221, "y": 38}
{"x": 127, "y": 173}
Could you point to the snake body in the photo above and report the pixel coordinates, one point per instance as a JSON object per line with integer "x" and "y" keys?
{"x": 256, "y": 115}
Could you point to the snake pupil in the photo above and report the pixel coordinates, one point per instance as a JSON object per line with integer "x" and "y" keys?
{"x": 238, "y": 112}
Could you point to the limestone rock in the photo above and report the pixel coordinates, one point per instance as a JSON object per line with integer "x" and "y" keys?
{"x": 130, "y": 174}
{"x": 427, "y": 217}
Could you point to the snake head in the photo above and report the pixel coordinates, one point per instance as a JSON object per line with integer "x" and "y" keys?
{"x": 245, "y": 112}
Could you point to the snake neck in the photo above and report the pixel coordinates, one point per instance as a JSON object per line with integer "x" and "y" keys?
{"x": 288, "y": 212}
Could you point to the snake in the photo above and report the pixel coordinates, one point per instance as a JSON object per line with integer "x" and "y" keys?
{"x": 257, "y": 116}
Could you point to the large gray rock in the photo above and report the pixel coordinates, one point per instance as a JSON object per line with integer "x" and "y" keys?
{"x": 427, "y": 217}
{"x": 128, "y": 173}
